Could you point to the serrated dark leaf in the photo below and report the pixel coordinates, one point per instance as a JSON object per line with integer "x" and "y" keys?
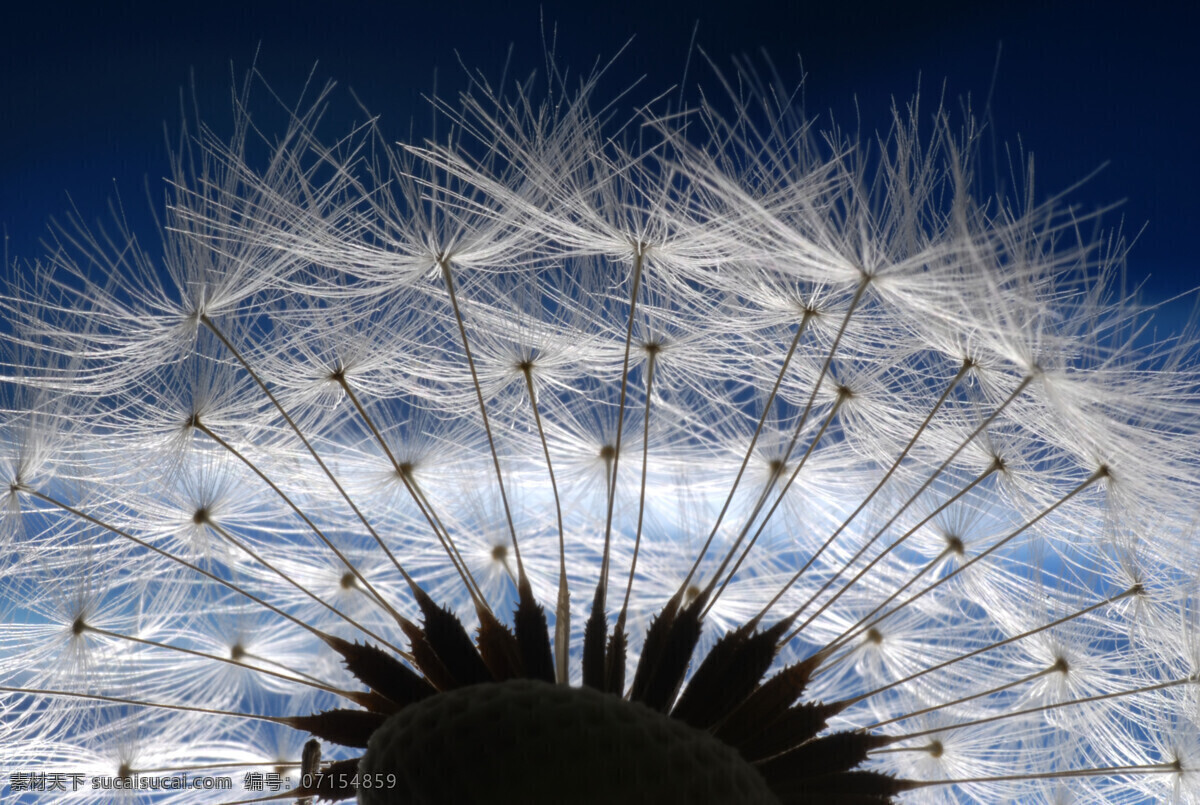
{"x": 829, "y": 754}
{"x": 533, "y": 637}
{"x": 836, "y": 798}
{"x": 729, "y": 673}
{"x": 594, "y": 633}
{"x": 614, "y": 661}
{"x": 449, "y": 640}
{"x": 767, "y": 703}
{"x": 790, "y": 729}
{"x": 842, "y": 788}
{"x": 430, "y": 664}
{"x": 653, "y": 647}
{"x": 344, "y": 727}
{"x": 380, "y": 671}
{"x": 665, "y": 678}
{"x": 498, "y": 648}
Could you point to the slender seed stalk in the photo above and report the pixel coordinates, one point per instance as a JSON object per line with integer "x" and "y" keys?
{"x": 203, "y": 519}
{"x": 859, "y": 627}
{"x": 639, "y": 254}
{"x": 992, "y": 468}
{"x": 870, "y": 496}
{"x": 448, "y": 277}
{"x": 1134, "y": 590}
{"x": 299, "y": 679}
{"x": 422, "y": 502}
{"x": 237, "y": 355}
{"x": 913, "y": 497}
{"x": 181, "y": 708}
{"x": 1058, "y": 667}
{"x": 209, "y": 575}
{"x": 1066, "y": 774}
{"x": 737, "y": 479}
{"x": 858, "y": 295}
{"x": 562, "y": 612}
{"x": 196, "y": 423}
{"x": 812, "y": 445}
{"x": 1045, "y": 708}
{"x": 637, "y": 539}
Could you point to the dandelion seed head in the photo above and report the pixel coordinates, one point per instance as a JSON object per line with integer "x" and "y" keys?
{"x": 808, "y": 456}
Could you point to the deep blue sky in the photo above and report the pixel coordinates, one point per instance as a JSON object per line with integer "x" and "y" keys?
{"x": 87, "y": 87}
